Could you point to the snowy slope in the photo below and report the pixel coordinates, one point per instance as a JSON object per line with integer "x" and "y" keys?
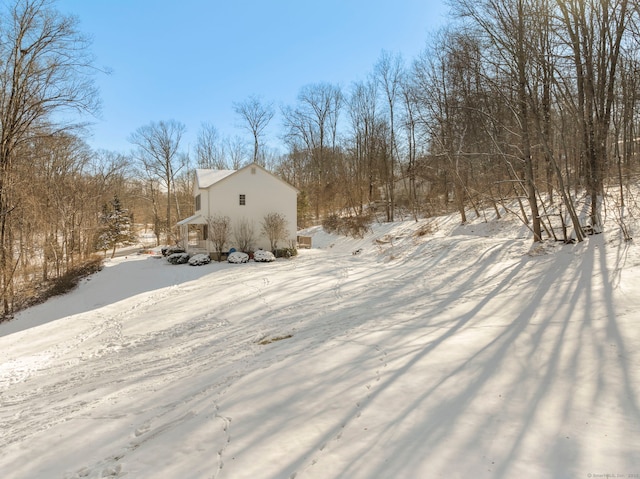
{"x": 461, "y": 353}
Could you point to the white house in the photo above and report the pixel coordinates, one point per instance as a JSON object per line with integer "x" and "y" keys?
{"x": 245, "y": 196}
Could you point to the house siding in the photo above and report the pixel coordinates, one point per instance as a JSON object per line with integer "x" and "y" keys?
{"x": 264, "y": 194}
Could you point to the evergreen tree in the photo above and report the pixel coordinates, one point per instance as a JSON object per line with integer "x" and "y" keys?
{"x": 117, "y": 229}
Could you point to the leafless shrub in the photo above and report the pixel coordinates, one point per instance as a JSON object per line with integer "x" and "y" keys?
{"x": 219, "y": 229}
{"x": 274, "y": 226}
{"x": 354, "y": 226}
{"x": 244, "y": 235}
{"x": 427, "y": 229}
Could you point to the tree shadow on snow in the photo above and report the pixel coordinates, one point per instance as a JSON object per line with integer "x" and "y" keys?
{"x": 520, "y": 367}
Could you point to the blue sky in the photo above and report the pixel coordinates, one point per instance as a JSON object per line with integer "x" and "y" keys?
{"x": 190, "y": 60}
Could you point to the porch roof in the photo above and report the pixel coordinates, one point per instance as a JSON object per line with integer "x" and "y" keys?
{"x": 193, "y": 220}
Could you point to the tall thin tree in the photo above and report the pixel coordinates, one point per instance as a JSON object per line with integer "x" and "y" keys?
{"x": 158, "y": 152}
{"x": 256, "y": 116}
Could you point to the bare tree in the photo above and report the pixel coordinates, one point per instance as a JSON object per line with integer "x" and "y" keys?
{"x": 219, "y": 231}
{"x": 274, "y": 226}
{"x": 157, "y": 151}
{"x": 313, "y": 126}
{"x": 45, "y": 72}
{"x": 595, "y": 33}
{"x": 236, "y": 151}
{"x": 362, "y": 107}
{"x": 243, "y": 234}
{"x": 389, "y": 73}
{"x": 209, "y": 150}
{"x": 256, "y": 116}
{"x": 410, "y": 120}
{"x": 441, "y": 76}
{"x": 504, "y": 27}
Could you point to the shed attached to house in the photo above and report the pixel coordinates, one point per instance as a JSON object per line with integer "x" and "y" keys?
{"x": 246, "y": 196}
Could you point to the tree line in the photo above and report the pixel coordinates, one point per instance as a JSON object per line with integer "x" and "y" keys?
{"x": 529, "y": 106}
{"x": 529, "y": 102}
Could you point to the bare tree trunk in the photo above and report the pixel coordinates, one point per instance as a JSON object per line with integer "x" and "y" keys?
{"x": 256, "y": 116}
{"x": 595, "y": 31}
{"x": 43, "y": 70}
{"x": 158, "y": 147}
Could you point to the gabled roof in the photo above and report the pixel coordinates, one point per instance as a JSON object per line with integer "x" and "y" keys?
{"x": 206, "y": 178}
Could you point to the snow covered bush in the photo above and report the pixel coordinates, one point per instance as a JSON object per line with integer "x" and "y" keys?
{"x": 262, "y": 256}
{"x": 238, "y": 257}
{"x": 169, "y": 250}
{"x": 199, "y": 259}
{"x": 285, "y": 252}
{"x": 178, "y": 258}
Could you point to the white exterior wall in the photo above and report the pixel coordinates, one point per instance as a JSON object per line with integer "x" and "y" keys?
{"x": 204, "y": 200}
{"x": 264, "y": 193}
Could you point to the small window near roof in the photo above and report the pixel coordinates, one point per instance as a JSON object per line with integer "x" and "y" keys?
{"x": 198, "y": 205}
{"x": 243, "y": 200}
{"x": 253, "y": 170}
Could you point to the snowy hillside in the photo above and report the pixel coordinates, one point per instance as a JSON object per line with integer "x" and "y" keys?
{"x": 461, "y": 353}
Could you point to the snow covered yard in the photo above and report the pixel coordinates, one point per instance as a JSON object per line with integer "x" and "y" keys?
{"x": 457, "y": 354}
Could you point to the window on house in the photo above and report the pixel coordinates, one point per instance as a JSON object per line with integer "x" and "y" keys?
{"x": 243, "y": 200}
{"x": 198, "y": 205}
